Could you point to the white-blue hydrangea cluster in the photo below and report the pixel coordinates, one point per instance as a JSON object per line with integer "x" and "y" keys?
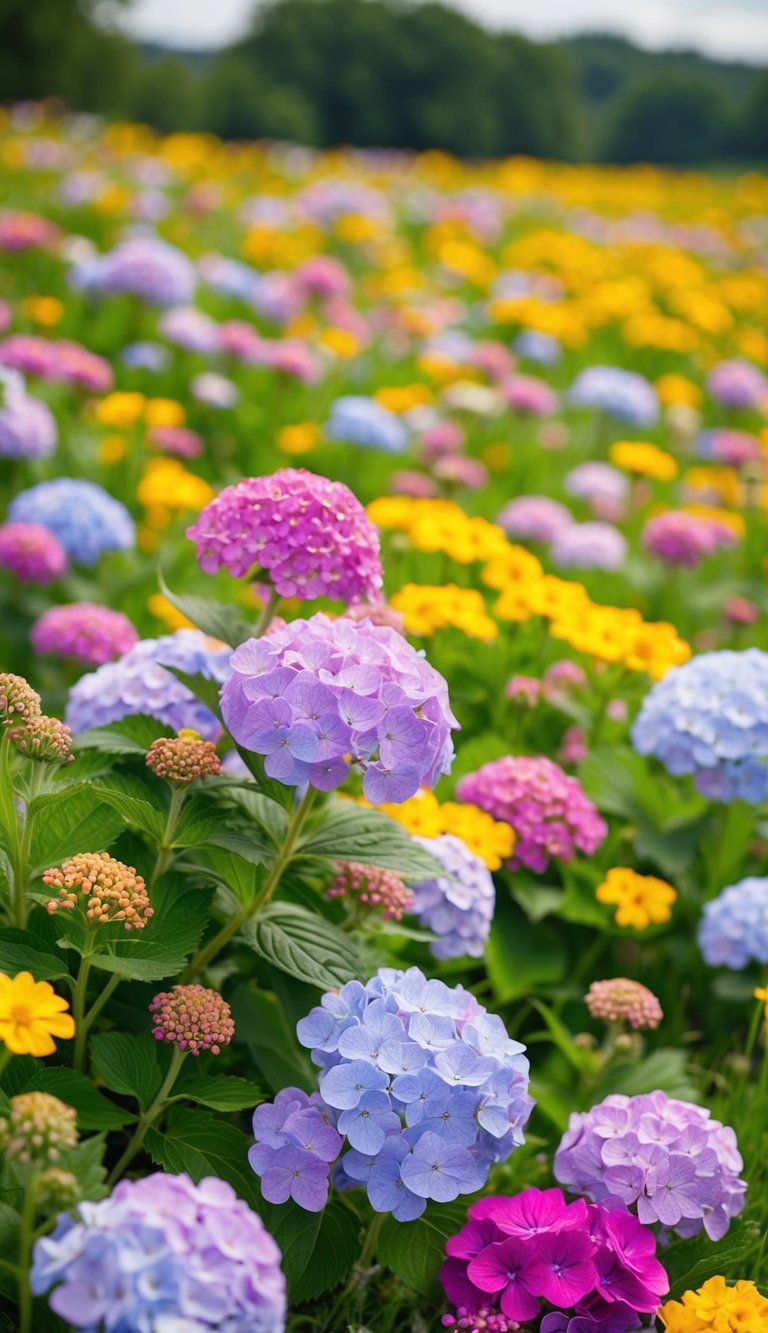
{"x": 709, "y": 718}
{"x": 424, "y": 1089}
{"x": 364, "y": 422}
{"x": 138, "y": 683}
{"x": 85, "y": 518}
{"x": 457, "y": 906}
{"x": 733, "y": 930}
{"x": 142, "y": 266}
{"x": 27, "y": 425}
{"x": 621, "y": 394}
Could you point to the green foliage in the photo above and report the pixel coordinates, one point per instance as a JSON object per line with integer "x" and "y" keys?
{"x": 349, "y": 832}
{"x": 415, "y": 1250}
{"x": 127, "y": 1065}
{"x": 318, "y": 1249}
{"x": 520, "y": 956}
{"x": 94, "y": 1111}
{"x": 303, "y": 945}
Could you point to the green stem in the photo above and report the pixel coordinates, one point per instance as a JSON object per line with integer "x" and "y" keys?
{"x": 5, "y": 1057}
{"x": 165, "y": 846}
{"x": 205, "y": 956}
{"x": 79, "y": 999}
{"x": 149, "y": 1117}
{"x": 268, "y": 613}
{"x": 101, "y": 999}
{"x": 23, "y": 847}
{"x": 25, "y": 1249}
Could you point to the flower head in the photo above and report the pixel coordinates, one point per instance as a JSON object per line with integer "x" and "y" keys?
{"x": 364, "y": 422}
{"x": 640, "y": 900}
{"x": 27, "y": 427}
{"x": 717, "y": 1308}
{"x": 619, "y": 393}
{"x": 43, "y": 738}
{"x": 194, "y": 1018}
{"x": 83, "y": 631}
{"x": 143, "y": 266}
{"x": 183, "y": 758}
{"x": 31, "y": 1015}
{"x": 457, "y": 906}
{"x": 733, "y": 930}
{"x": 620, "y": 1000}
{"x": 100, "y": 888}
{"x": 87, "y": 521}
{"x": 383, "y": 891}
{"x": 19, "y": 703}
{"x": 38, "y": 1128}
{"x": 32, "y": 553}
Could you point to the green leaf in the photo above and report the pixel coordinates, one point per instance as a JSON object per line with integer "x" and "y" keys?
{"x": 521, "y": 956}
{"x": 581, "y": 1060}
{"x": 127, "y": 1064}
{"x": 303, "y": 944}
{"x": 86, "y": 1162}
{"x": 162, "y": 948}
{"x": 221, "y": 620}
{"x": 9, "y": 1230}
{"x": 20, "y": 952}
{"x": 241, "y": 876}
{"x": 131, "y": 735}
{"x": 134, "y": 810}
{"x": 83, "y": 823}
{"x": 93, "y": 1110}
{"x": 200, "y": 819}
{"x": 275, "y": 791}
{"x": 261, "y": 1022}
{"x": 201, "y": 1144}
{"x": 221, "y": 1092}
{"x": 415, "y": 1251}
{"x": 537, "y": 900}
{"x": 319, "y": 1249}
{"x": 350, "y": 832}
{"x": 665, "y": 1069}
{"x": 689, "y": 1263}
{"x": 247, "y": 841}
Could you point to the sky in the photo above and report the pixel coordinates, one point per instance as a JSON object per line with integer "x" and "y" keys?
{"x": 730, "y": 29}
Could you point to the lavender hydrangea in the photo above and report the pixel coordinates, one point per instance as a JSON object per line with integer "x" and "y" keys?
{"x": 27, "y": 427}
{"x": 163, "y": 1248}
{"x": 85, "y": 518}
{"x": 318, "y": 695}
{"x": 733, "y": 930}
{"x": 143, "y": 266}
{"x": 665, "y": 1159}
{"x": 708, "y": 718}
{"x": 534, "y": 518}
{"x": 621, "y": 394}
{"x": 457, "y": 906}
{"x": 364, "y": 422}
{"x": 138, "y": 683}
{"x": 590, "y": 546}
{"x": 420, "y": 1088}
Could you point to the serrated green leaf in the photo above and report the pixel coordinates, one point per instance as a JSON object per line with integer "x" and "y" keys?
{"x": 200, "y": 819}
{"x": 319, "y": 1249}
{"x": 261, "y": 1023}
{"x": 242, "y": 877}
{"x": 349, "y": 832}
{"x": 127, "y": 1064}
{"x": 83, "y": 823}
{"x": 201, "y": 1144}
{"x": 689, "y": 1263}
{"x": 94, "y": 1111}
{"x": 134, "y": 810}
{"x": 86, "y": 1162}
{"x": 220, "y": 1092}
{"x": 162, "y": 948}
{"x": 131, "y": 735}
{"x": 303, "y": 944}
{"x": 20, "y": 952}
{"x": 415, "y": 1251}
{"x": 221, "y": 620}
{"x": 521, "y": 956}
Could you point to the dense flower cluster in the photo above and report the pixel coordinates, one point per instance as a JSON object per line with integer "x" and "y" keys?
{"x": 318, "y": 694}
{"x": 535, "y": 518}
{"x": 707, "y": 718}
{"x": 195, "y": 1253}
{"x": 457, "y": 906}
{"x": 733, "y": 930}
{"x": 532, "y": 1248}
{"x": 27, "y": 425}
{"x": 183, "y": 759}
{"x": 57, "y": 360}
{"x": 717, "y": 1308}
{"x": 100, "y": 887}
{"x": 683, "y": 540}
{"x": 18, "y": 701}
{"x": 373, "y": 888}
{"x": 87, "y": 521}
{"x": 311, "y": 536}
{"x": 139, "y": 683}
{"x": 665, "y": 1158}
{"x": 32, "y": 553}
{"x": 425, "y": 609}
{"x": 549, "y": 811}
{"x": 143, "y": 266}
{"x": 622, "y": 1000}
{"x": 364, "y": 422}
{"x": 38, "y": 1128}
{"x": 43, "y": 738}
{"x": 194, "y": 1018}
{"x": 490, "y": 839}
{"x": 738, "y": 384}
{"x": 621, "y": 394}
{"x": 84, "y": 631}
{"x": 422, "y": 1085}
{"x": 590, "y": 546}
{"x": 640, "y": 900}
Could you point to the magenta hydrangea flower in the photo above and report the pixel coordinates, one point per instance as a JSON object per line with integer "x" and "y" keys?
{"x": 318, "y": 695}
{"x": 738, "y": 384}
{"x": 549, "y": 811}
{"x": 83, "y": 631}
{"x": 683, "y": 540}
{"x": 310, "y": 535}
{"x": 32, "y": 553}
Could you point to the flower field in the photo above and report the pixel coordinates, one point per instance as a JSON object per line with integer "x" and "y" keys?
{"x": 384, "y": 760}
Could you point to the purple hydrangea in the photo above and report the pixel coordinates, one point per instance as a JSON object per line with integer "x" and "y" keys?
{"x": 83, "y": 631}
{"x": 541, "y": 348}
{"x": 734, "y": 926}
{"x": 738, "y": 384}
{"x": 139, "y": 683}
{"x": 708, "y": 718}
{"x": 457, "y": 906}
{"x": 311, "y": 536}
{"x": 162, "y": 1247}
{"x": 534, "y": 518}
{"x": 32, "y": 553}
{"x": 621, "y": 394}
{"x": 665, "y": 1159}
{"x": 590, "y": 546}
{"x": 598, "y": 484}
{"x": 364, "y": 422}
{"x": 27, "y": 426}
{"x": 420, "y": 1086}
{"x": 318, "y": 695}
{"x": 146, "y": 267}
{"x": 85, "y": 518}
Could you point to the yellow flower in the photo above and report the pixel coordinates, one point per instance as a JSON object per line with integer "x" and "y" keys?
{"x": 162, "y": 609}
{"x": 167, "y": 488}
{"x": 340, "y": 342}
{"x": 645, "y": 460}
{"x": 489, "y": 839}
{"x": 640, "y": 900}
{"x": 119, "y": 409}
{"x": 761, "y": 994}
{"x": 678, "y": 389}
{"x": 403, "y": 397}
{"x": 112, "y": 449}
{"x": 299, "y": 439}
{"x": 426, "y": 609}
{"x": 45, "y": 310}
{"x": 718, "y": 1308}
{"x": 164, "y": 412}
{"x": 31, "y": 1015}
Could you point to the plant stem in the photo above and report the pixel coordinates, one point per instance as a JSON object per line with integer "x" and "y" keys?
{"x": 79, "y": 998}
{"x": 25, "y": 1249}
{"x": 148, "y": 1118}
{"x": 165, "y": 846}
{"x": 23, "y": 846}
{"x": 101, "y": 1000}
{"x": 267, "y": 614}
{"x": 214, "y": 946}
{"x": 5, "y": 1057}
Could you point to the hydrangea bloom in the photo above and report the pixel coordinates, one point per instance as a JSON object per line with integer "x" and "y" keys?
{"x": 665, "y": 1158}
{"x": 597, "y": 483}
{"x": 515, "y": 1253}
{"x": 83, "y": 516}
{"x": 734, "y": 926}
{"x": 684, "y": 540}
{"x": 138, "y": 683}
{"x": 738, "y": 384}
{"x": 32, "y": 553}
{"x": 534, "y": 518}
{"x": 364, "y": 422}
{"x": 310, "y": 535}
{"x": 620, "y": 999}
{"x": 317, "y": 694}
{"x": 84, "y": 631}
{"x": 27, "y": 426}
{"x": 421, "y": 1085}
{"x": 548, "y": 810}
{"x": 540, "y": 348}
{"x": 590, "y": 546}
{"x": 458, "y": 906}
{"x": 708, "y": 718}
{"x": 621, "y": 394}
{"x": 146, "y": 267}
{"x": 169, "y": 1248}
{"x": 734, "y": 448}
{"x": 530, "y": 396}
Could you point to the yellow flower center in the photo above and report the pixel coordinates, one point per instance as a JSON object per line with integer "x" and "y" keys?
{"x": 21, "y": 1013}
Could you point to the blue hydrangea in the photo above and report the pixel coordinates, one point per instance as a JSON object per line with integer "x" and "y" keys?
{"x": 709, "y": 718}
{"x": 621, "y": 394}
{"x": 142, "y": 266}
{"x": 27, "y": 426}
{"x": 163, "y": 1253}
{"x": 138, "y": 683}
{"x": 87, "y": 521}
{"x": 734, "y": 927}
{"x": 420, "y": 1092}
{"x": 364, "y": 422}
{"x": 541, "y": 348}
{"x": 458, "y": 906}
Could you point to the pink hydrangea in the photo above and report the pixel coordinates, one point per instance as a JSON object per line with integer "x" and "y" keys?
{"x": 32, "y": 553}
{"x": 683, "y": 540}
{"x": 549, "y": 811}
{"x": 530, "y": 396}
{"x": 83, "y": 631}
{"x": 311, "y": 536}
